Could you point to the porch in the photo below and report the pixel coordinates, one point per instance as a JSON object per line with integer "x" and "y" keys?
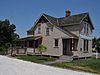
{"x": 28, "y": 45}
{"x": 69, "y": 45}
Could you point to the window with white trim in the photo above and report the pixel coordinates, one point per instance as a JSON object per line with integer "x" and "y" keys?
{"x": 47, "y": 31}
{"x": 85, "y": 29}
{"x": 56, "y": 41}
{"x": 39, "y": 28}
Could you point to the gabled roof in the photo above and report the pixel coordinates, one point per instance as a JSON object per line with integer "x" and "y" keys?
{"x": 74, "y": 19}
{"x": 67, "y": 32}
{"x": 64, "y": 21}
{"x": 29, "y": 38}
{"x": 53, "y": 20}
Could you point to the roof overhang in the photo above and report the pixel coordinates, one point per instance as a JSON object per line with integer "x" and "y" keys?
{"x": 28, "y": 38}
{"x": 86, "y": 37}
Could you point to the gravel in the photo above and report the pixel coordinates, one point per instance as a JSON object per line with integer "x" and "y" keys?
{"x": 11, "y": 66}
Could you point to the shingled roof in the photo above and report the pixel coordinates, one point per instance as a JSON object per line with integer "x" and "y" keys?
{"x": 53, "y": 20}
{"x": 74, "y": 19}
{"x": 65, "y": 21}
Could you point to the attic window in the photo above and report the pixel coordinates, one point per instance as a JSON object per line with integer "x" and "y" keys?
{"x": 85, "y": 28}
{"x": 39, "y": 28}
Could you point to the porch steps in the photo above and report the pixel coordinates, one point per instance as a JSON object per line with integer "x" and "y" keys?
{"x": 65, "y": 59}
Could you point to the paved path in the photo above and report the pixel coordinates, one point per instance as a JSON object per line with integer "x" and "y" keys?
{"x": 11, "y": 66}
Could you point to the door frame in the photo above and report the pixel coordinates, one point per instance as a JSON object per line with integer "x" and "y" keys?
{"x": 67, "y": 46}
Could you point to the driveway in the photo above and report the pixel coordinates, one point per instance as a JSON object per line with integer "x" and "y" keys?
{"x": 11, "y": 66}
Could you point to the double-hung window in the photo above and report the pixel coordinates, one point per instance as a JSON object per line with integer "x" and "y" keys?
{"x": 56, "y": 43}
{"x": 47, "y": 31}
{"x": 39, "y": 28}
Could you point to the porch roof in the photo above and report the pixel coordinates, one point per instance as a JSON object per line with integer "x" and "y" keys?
{"x": 86, "y": 37}
{"x": 29, "y": 38}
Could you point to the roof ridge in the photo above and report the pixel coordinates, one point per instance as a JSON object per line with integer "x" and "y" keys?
{"x": 49, "y": 15}
{"x": 74, "y": 15}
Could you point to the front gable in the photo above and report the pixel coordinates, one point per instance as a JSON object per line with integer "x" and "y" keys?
{"x": 38, "y": 23}
{"x": 86, "y": 26}
{"x": 40, "y": 20}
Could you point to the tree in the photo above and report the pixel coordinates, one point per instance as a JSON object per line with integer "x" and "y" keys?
{"x": 41, "y": 49}
{"x": 96, "y": 44}
{"x": 7, "y": 33}
{"x": 94, "y": 40}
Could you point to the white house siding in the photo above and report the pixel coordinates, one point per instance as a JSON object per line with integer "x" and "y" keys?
{"x": 48, "y": 41}
{"x": 80, "y": 52}
{"x": 75, "y": 32}
{"x": 81, "y": 44}
{"x": 30, "y": 50}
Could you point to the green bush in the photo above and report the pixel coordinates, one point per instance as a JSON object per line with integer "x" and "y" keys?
{"x": 41, "y": 49}
{"x": 3, "y": 50}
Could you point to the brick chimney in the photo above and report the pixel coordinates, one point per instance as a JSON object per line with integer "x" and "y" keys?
{"x": 68, "y": 13}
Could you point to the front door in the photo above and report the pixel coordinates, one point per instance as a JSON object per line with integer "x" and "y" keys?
{"x": 67, "y": 47}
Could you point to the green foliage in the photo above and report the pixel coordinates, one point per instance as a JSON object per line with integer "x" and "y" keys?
{"x": 7, "y": 32}
{"x": 36, "y": 59}
{"x": 88, "y": 65}
{"x": 3, "y": 50}
{"x": 42, "y": 49}
{"x": 96, "y": 43}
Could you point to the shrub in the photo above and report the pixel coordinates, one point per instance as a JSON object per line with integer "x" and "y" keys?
{"x": 3, "y": 50}
{"x": 42, "y": 49}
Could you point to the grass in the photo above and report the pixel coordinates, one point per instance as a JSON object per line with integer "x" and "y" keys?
{"x": 88, "y": 65}
{"x": 36, "y": 59}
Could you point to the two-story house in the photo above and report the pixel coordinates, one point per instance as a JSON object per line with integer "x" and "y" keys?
{"x": 69, "y": 35}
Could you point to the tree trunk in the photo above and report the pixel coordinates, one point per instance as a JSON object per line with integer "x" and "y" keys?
{"x": 41, "y": 54}
{"x": 12, "y": 51}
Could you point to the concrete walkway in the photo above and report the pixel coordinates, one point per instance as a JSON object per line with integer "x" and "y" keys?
{"x": 11, "y": 66}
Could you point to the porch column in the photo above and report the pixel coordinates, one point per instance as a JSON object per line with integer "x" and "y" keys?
{"x": 72, "y": 44}
{"x": 34, "y": 45}
{"x": 27, "y": 43}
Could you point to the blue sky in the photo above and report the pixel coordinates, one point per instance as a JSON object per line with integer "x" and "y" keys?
{"x": 23, "y": 13}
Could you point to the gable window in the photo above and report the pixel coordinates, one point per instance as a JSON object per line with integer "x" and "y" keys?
{"x": 85, "y": 28}
{"x": 47, "y": 31}
{"x": 56, "y": 43}
{"x": 39, "y": 28}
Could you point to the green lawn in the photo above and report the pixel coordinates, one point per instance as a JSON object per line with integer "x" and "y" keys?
{"x": 36, "y": 59}
{"x": 88, "y": 65}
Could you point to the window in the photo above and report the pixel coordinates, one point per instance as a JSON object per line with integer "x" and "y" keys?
{"x": 85, "y": 29}
{"x": 47, "y": 31}
{"x": 56, "y": 42}
{"x": 39, "y": 28}
{"x": 85, "y": 45}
